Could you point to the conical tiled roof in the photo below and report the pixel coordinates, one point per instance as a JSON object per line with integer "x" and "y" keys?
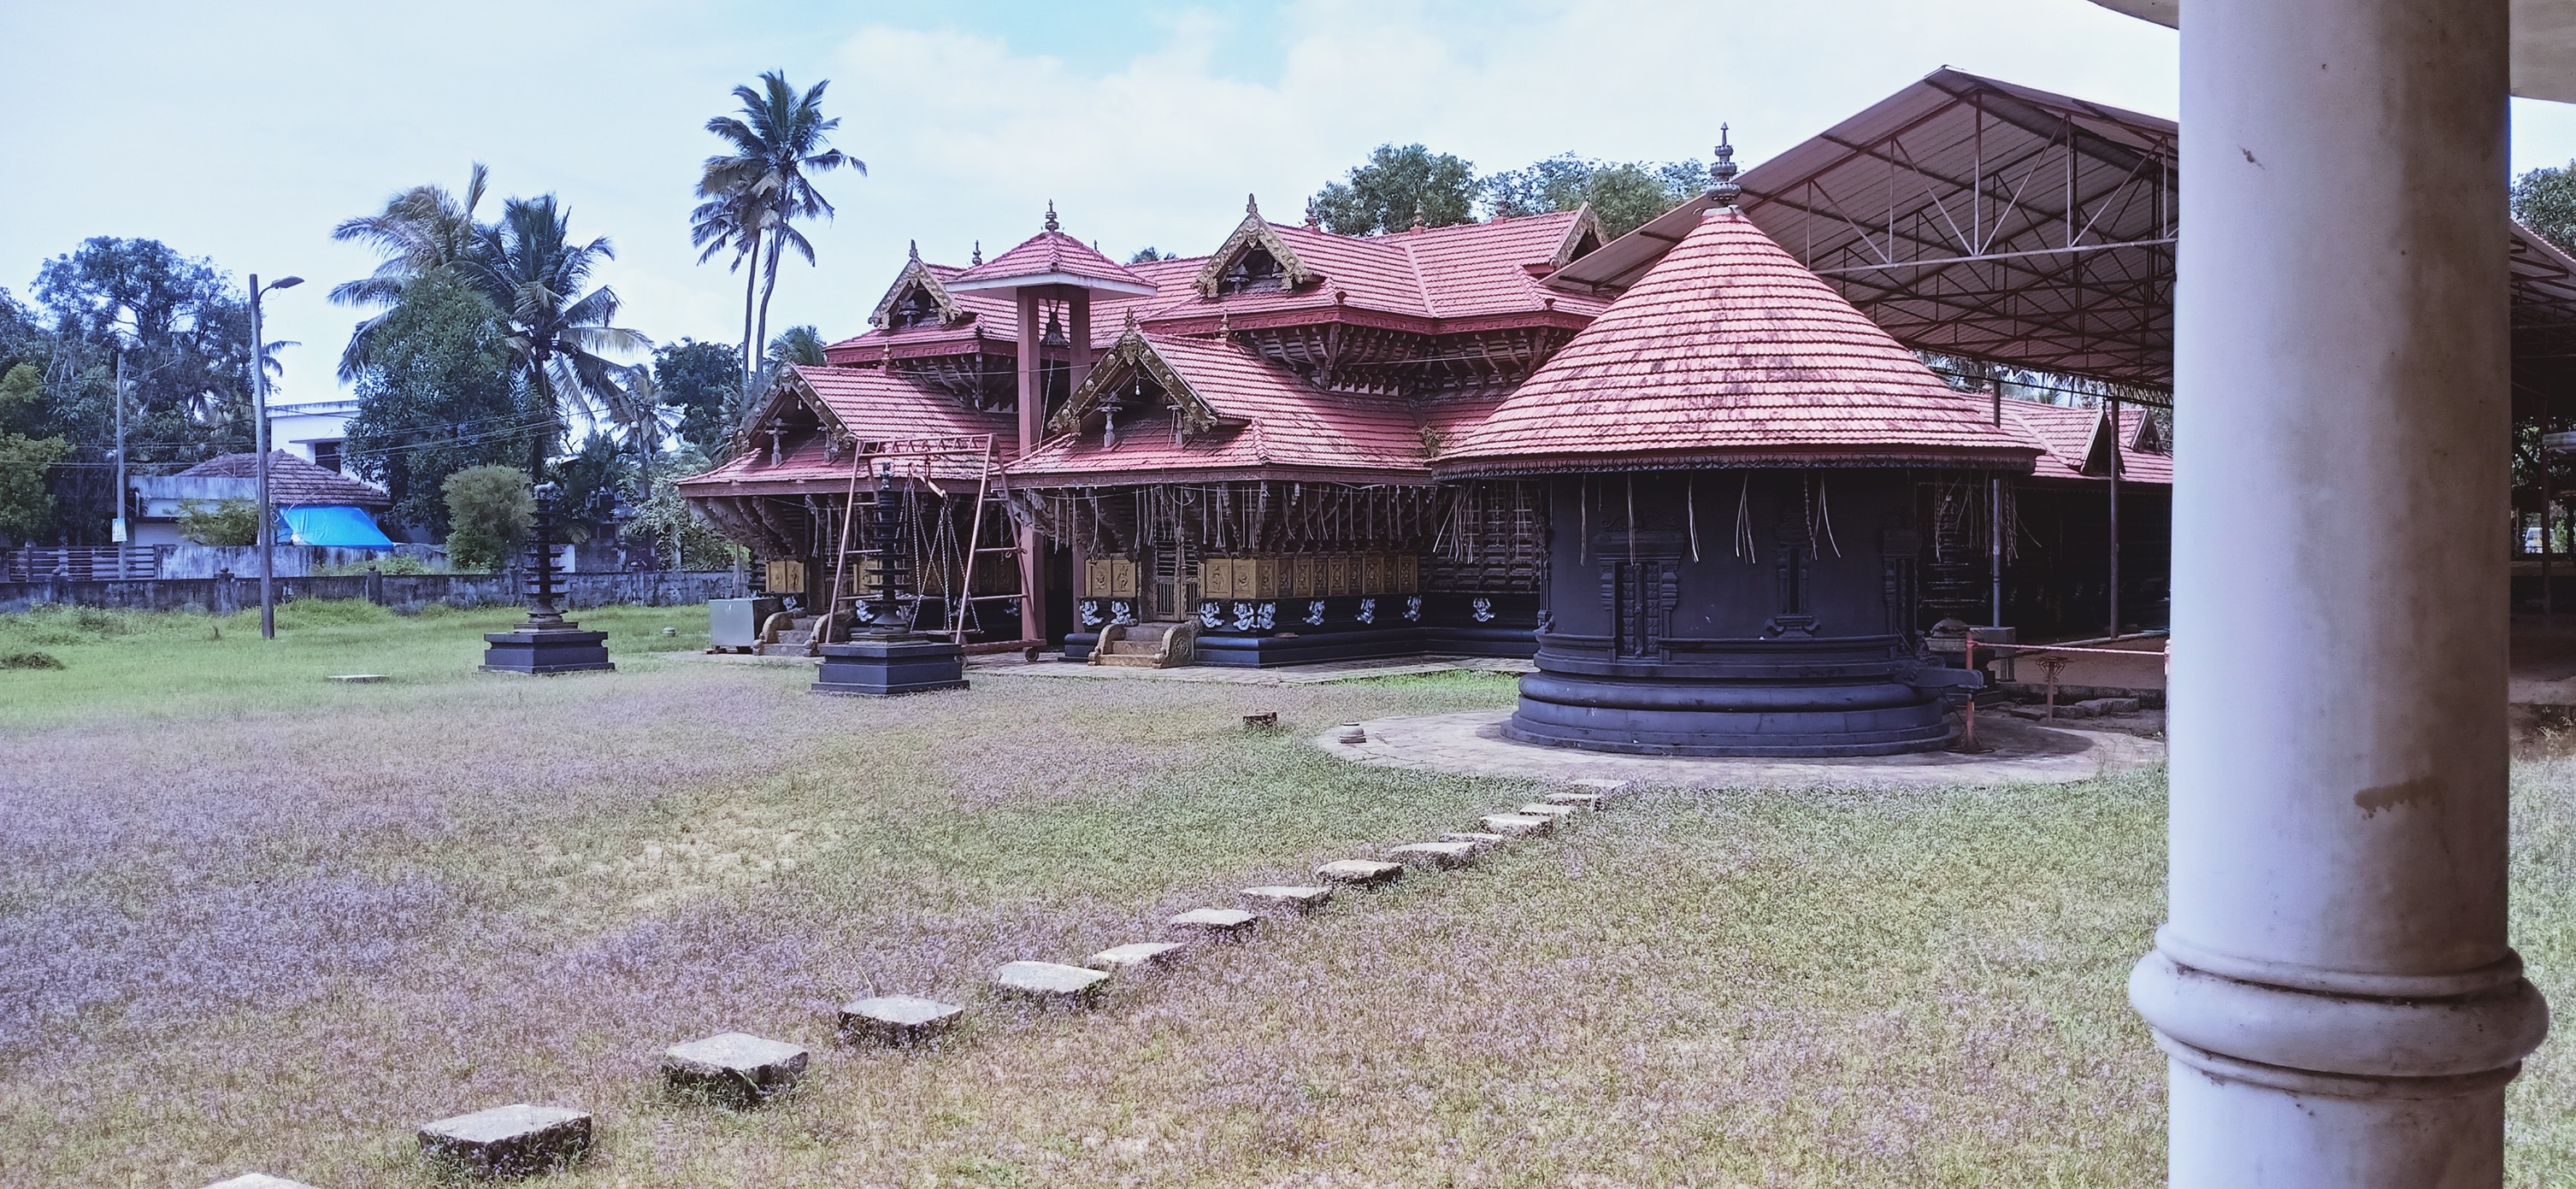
{"x": 1729, "y": 353}
{"x": 1052, "y": 257}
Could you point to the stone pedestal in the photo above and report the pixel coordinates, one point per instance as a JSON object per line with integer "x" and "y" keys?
{"x": 538, "y": 651}
{"x": 884, "y": 666}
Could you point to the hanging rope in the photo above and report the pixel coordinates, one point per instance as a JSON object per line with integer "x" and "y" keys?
{"x": 1824, "y": 517}
{"x": 1632, "y": 520}
{"x": 1744, "y": 549}
{"x": 1690, "y": 511}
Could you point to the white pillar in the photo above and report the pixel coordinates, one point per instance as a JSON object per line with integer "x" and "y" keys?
{"x": 2333, "y": 987}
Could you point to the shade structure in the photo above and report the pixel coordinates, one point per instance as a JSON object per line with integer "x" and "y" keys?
{"x": 335, "y": 526}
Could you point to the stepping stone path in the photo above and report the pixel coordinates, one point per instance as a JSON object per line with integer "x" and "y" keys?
{"x": 1137, "y": 955}
{"x": 359, "y": 678}
{"x": 1580, "y": 800}
{"x": 1292, "y": 900}
{"x": 1517, "y": 825}
{"x": 258, "y": 1180}
{"x": 1535, "y": 809}
{"x": 735, "y": 1067}
{"x": 507, "y": 1141}
{"x": 1482, "y": 842}
{"x": 1049, "y": 983}
{"x": 1217, "y": 924}
{"x": 1440, "y": 856}
{"x": 1360, "y": 873}
{"x": 898, "y": 1020}
{"x": 1601, "y": 784}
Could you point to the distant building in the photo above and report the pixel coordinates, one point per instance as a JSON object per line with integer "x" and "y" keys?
{"x": 314, "y": 430}
{"x": 315, "y": 506}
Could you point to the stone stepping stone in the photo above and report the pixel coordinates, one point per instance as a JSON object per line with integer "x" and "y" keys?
{"x": 1137, "y": 956}
{"x": 1217, "y": 924}
{"x": 734, "y": 1067}
{"x": 1440, "y": 856}
{"x": 1580, "y": 800}
{"x": 898, "y": 1020}
{"x": 1601, "y": 783}
{"x": 1292, "y": 900}
{"x": 1360, "y": 873}
{"x": 1535, "y": 809}
{"x": 1049, "y": 982}
{"x": 258, "y": 1180}
{"x": 1482, "y": 842}
{"x": 1517, "y": 825}
{"x": 507, "y": 1141}
{"x": 368, "y": 678}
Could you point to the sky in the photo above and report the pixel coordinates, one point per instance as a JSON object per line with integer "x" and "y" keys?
{"x": 244, "y": 132}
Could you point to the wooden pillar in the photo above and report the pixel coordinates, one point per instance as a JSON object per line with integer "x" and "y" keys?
{"x": 1079, "y": 329}
{"x": 1032, "y": 419}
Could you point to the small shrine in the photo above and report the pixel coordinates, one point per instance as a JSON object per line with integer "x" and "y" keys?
{"x": 884, "y": 655}
{"x": 1737, "y": 465}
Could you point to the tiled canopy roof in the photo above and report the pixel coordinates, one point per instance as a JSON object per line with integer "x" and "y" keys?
{"x": 1268, "y": 422}
{"x": 292, "y": 482}
{"x": 1049, "y": 254}
{"x": 1729, "y": 353}
{"x": 861, "y": 402}
{"x": 2068, "y": 432}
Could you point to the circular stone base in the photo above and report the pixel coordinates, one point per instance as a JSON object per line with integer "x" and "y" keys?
{"x": 1472, "y": 743}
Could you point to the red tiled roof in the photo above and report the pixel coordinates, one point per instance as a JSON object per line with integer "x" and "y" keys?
{"x": 2067, "y": 433}
{"x": 1728, "y": 351}
{"x": 292, "y": 482}
{"x": 1050, "y": 252}
{"x": 868, "y": 403}
{"x": 1273, "y": 422}
{"x": 994, "y": 315}
{"x": 1465, "y": 271}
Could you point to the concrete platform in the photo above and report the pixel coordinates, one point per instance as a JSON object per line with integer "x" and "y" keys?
{"x": 1319, "y": 673}
{"x": 1470, "y": 743}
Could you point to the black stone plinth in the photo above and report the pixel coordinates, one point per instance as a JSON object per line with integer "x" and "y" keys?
{"x": 1820, "y": 714}
{"x": 545, "y": 650}
{"x": 884, "y": 666}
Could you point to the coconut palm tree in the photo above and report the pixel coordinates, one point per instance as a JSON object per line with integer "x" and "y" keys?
{"x": 777, "y": 142}
{"x": 799, "y": 345}
{"x": 733, "y": 220}
{"x": 420, "y": 229}
{"x": 559, "y": 337}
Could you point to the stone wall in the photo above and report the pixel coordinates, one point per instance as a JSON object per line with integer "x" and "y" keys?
{"x": 405, "y": 592}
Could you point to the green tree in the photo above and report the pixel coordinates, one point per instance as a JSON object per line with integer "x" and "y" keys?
{"x": 1149, "y": 254}
{"x": 435, "y": 396}
{"x": 1384, "y": 193}
{"x": 762, "y": 186}
{"x": 1623, "y": 194}
{"x": 799, "y": 345}
{"x": 682, "y": 538}
{"x": 2545, "y": 200}
{"x": 26, "y": 462}
{"x": 422, "y": 230}
{"x": 591, "y": 480}
{"x": 559, "y": 337}
{"x": 233, "y": 521}
{"x": 489, "y": 512}
{"x": 703, "y": 381}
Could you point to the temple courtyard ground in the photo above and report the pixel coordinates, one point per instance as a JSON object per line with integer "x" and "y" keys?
{"x": 254, "y": 919}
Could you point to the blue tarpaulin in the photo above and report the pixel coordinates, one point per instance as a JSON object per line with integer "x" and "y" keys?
{"x": 335, "y": 525}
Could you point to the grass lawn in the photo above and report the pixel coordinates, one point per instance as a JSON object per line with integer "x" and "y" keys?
{"x": 252, "y": 919}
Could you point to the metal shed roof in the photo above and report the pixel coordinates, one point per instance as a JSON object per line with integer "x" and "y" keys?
{"x": 1990, "y": 221}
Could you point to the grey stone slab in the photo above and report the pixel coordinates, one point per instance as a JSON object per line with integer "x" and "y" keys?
{"x": 2105, "y": 706}
{"x": 359, "y": 678}
{"x": 1289, "y": 899}
{"x": 1360, "y": 873}
{"x": 1440, "y": 855}
{"x": 517, "y": 1140}
{"x": 1482, "y": 842}
{"x": 1216, "y": 924}
{"x": 1601, "y": 783}
{"x": 1137, "y": 955}
{"x": 1517, "y": 825}
{"x": 898, "y": 1019}
{"x": 258, "y": 1180}
{"x": 736, "y": 1067}
{"x": 1540, "y": 809}
{"x": 1049, "y": 982}
{"x": 1580, "y": 800}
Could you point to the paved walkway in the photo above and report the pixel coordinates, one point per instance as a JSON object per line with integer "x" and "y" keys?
{"x": 1470, "y": 743}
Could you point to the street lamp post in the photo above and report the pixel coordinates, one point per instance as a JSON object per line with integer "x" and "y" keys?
{"x": 259, "y": 413}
